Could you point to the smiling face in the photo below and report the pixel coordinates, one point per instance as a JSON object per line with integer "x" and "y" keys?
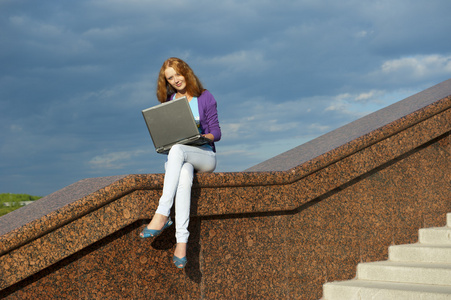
{"x": 176, "y": 80}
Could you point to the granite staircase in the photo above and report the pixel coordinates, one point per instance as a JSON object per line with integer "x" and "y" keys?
{"x": 414, "y": 271}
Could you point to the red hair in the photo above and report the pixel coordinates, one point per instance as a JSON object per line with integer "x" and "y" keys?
{"x": 194, "y": 87}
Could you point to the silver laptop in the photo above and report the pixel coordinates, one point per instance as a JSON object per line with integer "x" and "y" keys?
{"x": 172, "y": 123}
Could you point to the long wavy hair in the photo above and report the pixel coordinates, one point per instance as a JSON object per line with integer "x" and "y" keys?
{"x": 164, "y": 89}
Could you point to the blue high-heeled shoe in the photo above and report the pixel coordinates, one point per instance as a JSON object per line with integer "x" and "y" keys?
{"x": 179, "y": 262}
{"x": 146, "y": 233}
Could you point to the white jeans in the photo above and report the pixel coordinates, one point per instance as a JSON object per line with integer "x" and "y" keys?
{"x": 178, "y": 180}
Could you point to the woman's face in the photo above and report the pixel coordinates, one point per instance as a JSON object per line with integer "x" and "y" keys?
{"x": 176, "y": 80}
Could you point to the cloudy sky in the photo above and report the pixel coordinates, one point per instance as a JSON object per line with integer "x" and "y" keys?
{"x": 75, "y": 75}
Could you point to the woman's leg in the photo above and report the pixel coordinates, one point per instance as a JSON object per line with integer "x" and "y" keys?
{"x": 173, "y": 165}
{"x": 182, "y": 209}
{"x": 200, "y": 159}
{"x": 203, "y": 161}
{"x": 183, "y": 203}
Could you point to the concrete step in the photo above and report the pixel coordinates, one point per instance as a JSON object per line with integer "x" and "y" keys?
{"x": 406, "y": 272}
{"x": 435, "y": 235}
{"x": 420, "y": 253}
{"x": 416, "y": 271}
{"x": 372, "y": 290}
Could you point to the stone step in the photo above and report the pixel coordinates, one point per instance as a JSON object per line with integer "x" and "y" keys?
{"x": 406, "y": 272}
{"x": 435, "y": 235}
{"x": 426, "y": 253}
{"x": 372, "y": 290}
{"x": 416, "y": 271}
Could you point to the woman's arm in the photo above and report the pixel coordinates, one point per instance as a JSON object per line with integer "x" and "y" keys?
{"x": 211, "y": 115}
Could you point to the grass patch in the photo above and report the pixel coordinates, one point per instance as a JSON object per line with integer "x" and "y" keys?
{"x": 10, "y": 202}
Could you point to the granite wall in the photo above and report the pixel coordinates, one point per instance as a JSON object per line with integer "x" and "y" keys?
{"x": 276, "y": 231}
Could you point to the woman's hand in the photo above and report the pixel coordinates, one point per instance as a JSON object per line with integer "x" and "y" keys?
{"x": 209, "y": 136}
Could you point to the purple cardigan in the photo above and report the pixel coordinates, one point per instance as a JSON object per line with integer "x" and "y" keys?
{"x": 208, "y": 115}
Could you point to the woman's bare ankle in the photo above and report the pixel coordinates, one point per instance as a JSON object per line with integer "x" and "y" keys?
{"x": 157, "y": 221}
{"x": 180, "y": 250}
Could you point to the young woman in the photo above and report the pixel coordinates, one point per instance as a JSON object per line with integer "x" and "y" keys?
{"x": 177, "y": 79}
